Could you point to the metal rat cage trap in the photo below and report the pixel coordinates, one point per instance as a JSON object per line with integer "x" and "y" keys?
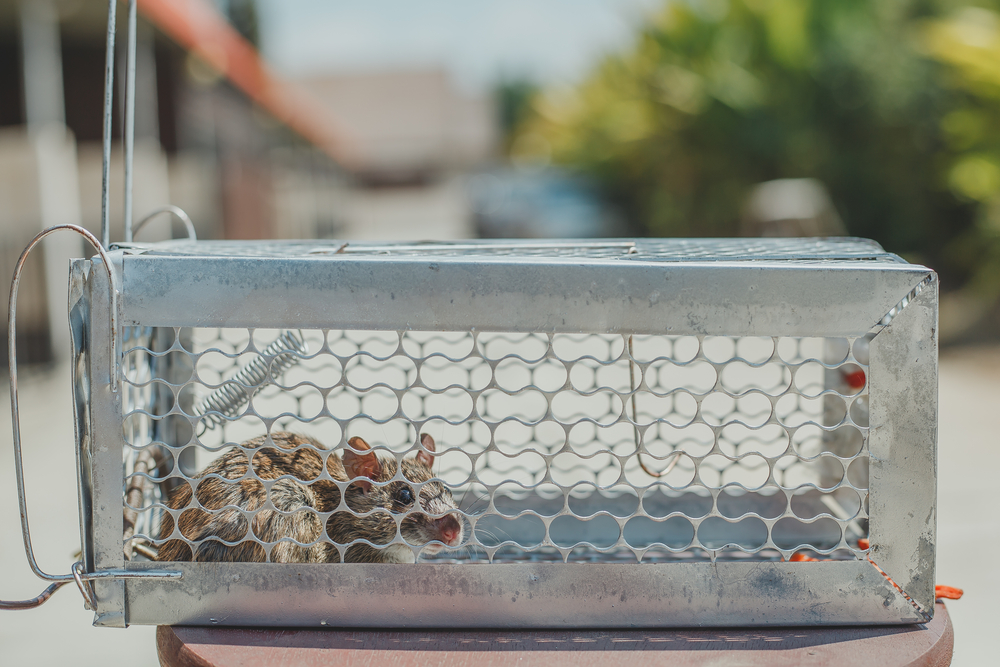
{"x": 647, "y": 433}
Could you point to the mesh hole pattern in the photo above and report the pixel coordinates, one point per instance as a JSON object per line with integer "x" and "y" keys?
{"x": 582, "y": 448}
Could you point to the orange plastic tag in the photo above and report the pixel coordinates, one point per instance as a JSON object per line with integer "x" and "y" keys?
{"x": 948, "y": 592}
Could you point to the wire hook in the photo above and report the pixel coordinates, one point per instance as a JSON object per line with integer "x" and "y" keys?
{"x": 177, "y": 211}
{"x": 675, "y": 456}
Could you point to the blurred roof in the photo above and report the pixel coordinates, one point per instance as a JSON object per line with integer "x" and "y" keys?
{"x": 199, "y": 28}
{"x": 405, "y": 122}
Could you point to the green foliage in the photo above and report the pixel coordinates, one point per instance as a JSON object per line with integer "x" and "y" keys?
{"x": 513, "y": 99}
{"x": 893, "y": 104}
{"x": 242, "y": 15}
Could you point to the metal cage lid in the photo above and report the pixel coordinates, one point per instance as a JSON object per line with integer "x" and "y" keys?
{"x": 791, "y": 250}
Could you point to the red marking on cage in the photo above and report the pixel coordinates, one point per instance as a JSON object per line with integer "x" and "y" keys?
{"x": 863, "y": 543}
{"x": 855, "y": 379}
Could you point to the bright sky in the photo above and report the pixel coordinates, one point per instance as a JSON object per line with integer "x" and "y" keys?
{"x": 548, "y": 41}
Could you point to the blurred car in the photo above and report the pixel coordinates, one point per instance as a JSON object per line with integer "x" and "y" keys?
{"x": 539, "y": 203}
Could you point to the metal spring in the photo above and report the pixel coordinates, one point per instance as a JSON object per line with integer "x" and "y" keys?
{"x": 276, "y": 358}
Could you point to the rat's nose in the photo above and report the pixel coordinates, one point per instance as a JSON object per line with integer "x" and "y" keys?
{"x": 449, "y": 529}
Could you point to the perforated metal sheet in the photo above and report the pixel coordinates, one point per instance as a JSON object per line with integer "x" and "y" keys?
{"x": 541, "y": 436}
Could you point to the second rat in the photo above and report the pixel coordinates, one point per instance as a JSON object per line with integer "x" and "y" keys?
{"x": 297, "y": 504}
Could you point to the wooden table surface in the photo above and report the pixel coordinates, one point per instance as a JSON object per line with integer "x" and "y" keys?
{"x": 927, "y": 645}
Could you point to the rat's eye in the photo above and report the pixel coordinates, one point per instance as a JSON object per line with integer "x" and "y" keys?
{"x": 404, "y": 496}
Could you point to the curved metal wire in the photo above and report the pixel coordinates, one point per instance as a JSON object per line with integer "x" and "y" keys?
{"x": 86, "y": 588}
{"x": 33, "y": 602}
{"x": 676, "y": 456}
{"x": 176, "y": 210}
{"x": 12, "y": 352}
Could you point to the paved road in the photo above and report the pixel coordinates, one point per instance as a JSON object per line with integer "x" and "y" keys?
{"x": 60, "y": 633}
{"x": 968, "y": 523}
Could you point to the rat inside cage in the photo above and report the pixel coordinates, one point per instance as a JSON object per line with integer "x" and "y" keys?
{"x": 555, "y": 447}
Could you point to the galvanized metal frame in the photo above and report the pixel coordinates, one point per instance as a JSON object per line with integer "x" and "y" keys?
{"x": 903, "y": 446}
{"x": 543, "y": 595}
{"x": 638, "y": 295}
{"x": 549, "y": 296}
{"x": 104, "y": 413}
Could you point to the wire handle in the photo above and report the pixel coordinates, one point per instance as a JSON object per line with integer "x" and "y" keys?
{"x": 176, "y": 210}
{"x": 58, "y": 580}
{"x": 33, "y": 602}
{"x": 109, "y": 91}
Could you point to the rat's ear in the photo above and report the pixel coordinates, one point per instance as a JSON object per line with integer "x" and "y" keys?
{"x": 428, "y": 442}
{"x": 361, "y": 465}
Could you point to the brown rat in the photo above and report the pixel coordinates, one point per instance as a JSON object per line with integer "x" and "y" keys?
{"x": 296, "y": 505}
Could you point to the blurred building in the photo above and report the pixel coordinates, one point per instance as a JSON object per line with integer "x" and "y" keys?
{"x": 216, "y": 134}
{"x": 244, "y": 153}
{"x": 790, "y": 207}
{"x": 411, "y": 139}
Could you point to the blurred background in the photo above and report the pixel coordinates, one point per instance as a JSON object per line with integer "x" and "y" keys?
{"x": 444, "y": 119}
{"x": 569, "y": 118}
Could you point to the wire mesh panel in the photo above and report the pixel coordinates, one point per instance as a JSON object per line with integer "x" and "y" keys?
{"x": 655, "y": 422}
{"x": 584, "y": 447}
